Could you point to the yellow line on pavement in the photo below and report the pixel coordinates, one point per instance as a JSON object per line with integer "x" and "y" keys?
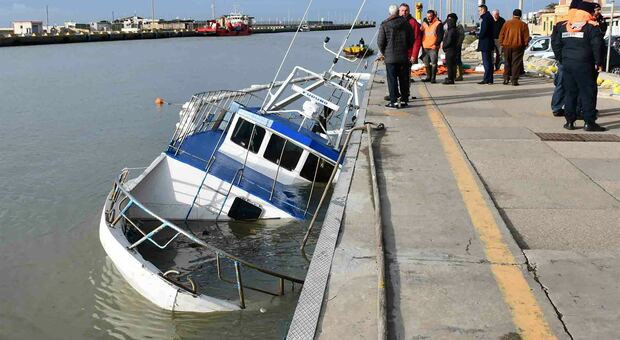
{"x": 526, "y": 313}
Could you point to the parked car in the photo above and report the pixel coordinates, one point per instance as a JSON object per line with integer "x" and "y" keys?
{"x": 614, "y": 65}
{"x": 540, "y": 47}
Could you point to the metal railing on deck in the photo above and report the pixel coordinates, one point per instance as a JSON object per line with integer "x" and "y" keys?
{"x": 120, "y": 201}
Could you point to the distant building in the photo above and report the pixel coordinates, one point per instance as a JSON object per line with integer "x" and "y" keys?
{"x": 101, "y": 26}
{"x": 129, "y": 24}
{"x": 169, "y": 25}
{"x": 6, "y": 31}
{"x": 27, "y": 27}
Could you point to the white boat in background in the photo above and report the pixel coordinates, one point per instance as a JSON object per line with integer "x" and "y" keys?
{"x": 232, "y": 156}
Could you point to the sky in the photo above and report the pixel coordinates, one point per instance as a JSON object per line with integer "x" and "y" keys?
{"x": 92, "y": 10}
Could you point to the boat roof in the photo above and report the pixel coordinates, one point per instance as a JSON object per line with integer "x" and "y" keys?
{"x": 290, "y": 130}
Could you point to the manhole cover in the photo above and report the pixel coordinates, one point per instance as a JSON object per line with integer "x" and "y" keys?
{"x": 578, "y": 137}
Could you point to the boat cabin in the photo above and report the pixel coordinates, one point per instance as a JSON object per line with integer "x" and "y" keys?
{"x": 278, "y": 148}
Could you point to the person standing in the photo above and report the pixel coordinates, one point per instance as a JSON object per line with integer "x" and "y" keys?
{"x": 394, "y": 41}
{"x": 461, "y": 37}
{"x": 514, "y": 38}
{"x": 414, "y": 51}
{"x": 557, "y": 100}
{"x": 450, "y": 42}
{"x": 432, "y": 31}
{"x": 498, "y": 24}
{"x": 577, "y": 45}
{"x": 486, "y": 44}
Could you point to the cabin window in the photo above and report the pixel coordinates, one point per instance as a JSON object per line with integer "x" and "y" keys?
{"x": 242, "y": 133}
{"x": 290, "y": 152}
{"x": 322, "y": 173}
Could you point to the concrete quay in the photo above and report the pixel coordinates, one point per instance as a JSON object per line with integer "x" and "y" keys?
{"x": 490, "y": 232}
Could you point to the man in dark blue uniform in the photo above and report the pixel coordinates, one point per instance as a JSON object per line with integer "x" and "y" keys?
{"x": 577, "y": 45}
{"x": 486, "y": 45}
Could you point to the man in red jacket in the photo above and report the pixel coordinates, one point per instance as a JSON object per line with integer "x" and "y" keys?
{"x": 414, "y": 51}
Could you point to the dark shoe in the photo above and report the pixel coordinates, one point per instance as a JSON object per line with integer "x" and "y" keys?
{"x": 516, "y": 83}
{"x": 569, "y": 126}
{"x": 392, "y": 106}
{"x": 558, "y": 113}
{"x": 506, "y": 81}
{"x": 448, "y": 82}
{"x": 404, "y": 105}
{"x": 433, "y": 74}
{"x": 411, "y": 80}
{"x": 482, "y": 83}
{"x": 593, "y": 127}
{"x": 429, "y": 72}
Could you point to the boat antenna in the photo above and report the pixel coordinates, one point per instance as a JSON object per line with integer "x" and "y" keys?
{"x": 269, "y": 94}
{"x": 344, "y": 42}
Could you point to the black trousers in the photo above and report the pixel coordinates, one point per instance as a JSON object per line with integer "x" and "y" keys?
{"x": 398, "y": 81}
{"x": 579, "y": 82}
{"x": 451, "y": 62}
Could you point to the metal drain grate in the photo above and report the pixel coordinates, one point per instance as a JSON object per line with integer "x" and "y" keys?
{"x": 578, "y": 137}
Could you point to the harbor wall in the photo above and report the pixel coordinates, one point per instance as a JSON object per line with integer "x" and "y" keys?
{"x": 116, "y": 36}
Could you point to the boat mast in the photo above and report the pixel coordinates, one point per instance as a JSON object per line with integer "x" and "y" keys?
{"x": 213, "y": 9}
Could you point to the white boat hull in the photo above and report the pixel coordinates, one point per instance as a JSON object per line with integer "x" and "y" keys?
{"x": 145, "y": 278}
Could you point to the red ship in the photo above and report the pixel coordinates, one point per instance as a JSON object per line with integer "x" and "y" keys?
{"x": 235, "y": 24}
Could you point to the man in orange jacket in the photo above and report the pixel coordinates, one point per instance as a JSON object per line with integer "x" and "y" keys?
{"x": 514, "y": 38}
{"x": 432, "y": 31}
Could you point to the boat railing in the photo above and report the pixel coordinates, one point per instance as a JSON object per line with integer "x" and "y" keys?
{"x": 207, "y": 111}
{"x": 121, "y": 200}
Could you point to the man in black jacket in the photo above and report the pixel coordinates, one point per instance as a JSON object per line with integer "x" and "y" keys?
{"x": 394, "y": 40}
{"x": 450, "y": 42}
{"x": 486, "y": 45}
{"x": 497, "y": 28}
{"x": 577, "y": 45}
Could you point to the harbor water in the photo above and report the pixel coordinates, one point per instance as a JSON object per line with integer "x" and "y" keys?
{"x": 71, "y": 117}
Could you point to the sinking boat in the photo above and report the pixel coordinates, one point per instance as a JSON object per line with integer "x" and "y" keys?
{"x": 233, "y": 156}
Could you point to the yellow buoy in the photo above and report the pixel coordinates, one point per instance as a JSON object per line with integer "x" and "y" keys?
{"x": 617, "y": 89}
{"x": 599, "y": 81}
{"x": 159, "y": 101}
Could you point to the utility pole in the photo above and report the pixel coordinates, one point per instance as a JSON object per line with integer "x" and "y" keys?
{"x": 611, "y": 31}
{"x": 47, "y": 18}
{"x": 463, "y": 13}
{"x": 153, "y": 15}
{"x": 520, "y": 5}
{"x": 213, "y": 9}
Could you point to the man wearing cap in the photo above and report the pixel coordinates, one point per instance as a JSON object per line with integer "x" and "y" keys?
{"x": 486, "y": 45}
{"x": 577, "y": 45}
{"x": 514, "y": 37}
